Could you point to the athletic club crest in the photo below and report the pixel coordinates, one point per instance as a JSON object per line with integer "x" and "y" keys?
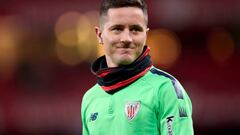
{"x": 131, "y": 109}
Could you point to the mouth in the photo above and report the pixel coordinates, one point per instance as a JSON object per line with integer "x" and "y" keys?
{"x": 123, "y": 49}
{"x": 126, "y": 49}
{"x": 126, "y": 46}
{"x": 126, "y": 52}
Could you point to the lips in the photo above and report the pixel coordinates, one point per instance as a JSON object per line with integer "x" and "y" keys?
{"x": 125, "y": 50}
{"x": 126, "y": 46}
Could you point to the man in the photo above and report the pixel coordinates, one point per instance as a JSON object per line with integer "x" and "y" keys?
{"x": 131, "y": 96}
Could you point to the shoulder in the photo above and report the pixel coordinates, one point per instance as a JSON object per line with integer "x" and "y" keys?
{"x": 158, "y": 77}
{"x": 160, "y": 73}
{"x": 164, "y": 82}
{"x": 169, "y": 92}
{"x": 91, "y": 94}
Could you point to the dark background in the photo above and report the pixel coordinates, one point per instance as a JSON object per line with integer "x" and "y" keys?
{"x": 46, "y": 49}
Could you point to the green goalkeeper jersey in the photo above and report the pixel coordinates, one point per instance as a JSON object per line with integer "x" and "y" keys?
{"x": 155, "y": 104}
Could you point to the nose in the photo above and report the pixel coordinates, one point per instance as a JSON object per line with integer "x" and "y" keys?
{"x": 126, "y": 37}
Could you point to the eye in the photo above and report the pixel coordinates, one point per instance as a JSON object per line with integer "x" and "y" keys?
{"x": 136, "y": 29}
{"x": 117, "y": 29}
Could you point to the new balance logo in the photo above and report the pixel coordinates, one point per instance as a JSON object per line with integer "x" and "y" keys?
{"x": 93, "y": 116}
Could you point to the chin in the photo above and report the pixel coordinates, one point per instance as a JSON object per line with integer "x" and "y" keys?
{"x": 125, "y": 61}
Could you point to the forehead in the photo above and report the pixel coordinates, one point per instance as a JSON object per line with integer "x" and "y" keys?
{"x": 125, "y": 16}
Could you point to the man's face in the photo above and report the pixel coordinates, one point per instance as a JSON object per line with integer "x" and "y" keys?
{"x": 123, "y": 35}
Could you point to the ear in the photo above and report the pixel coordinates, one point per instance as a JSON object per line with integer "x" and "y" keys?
{"x": 99, "y": 34}
{"x": 147, "y": 30}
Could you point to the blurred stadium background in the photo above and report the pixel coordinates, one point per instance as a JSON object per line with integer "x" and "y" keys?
{"x": 46, "y": 49}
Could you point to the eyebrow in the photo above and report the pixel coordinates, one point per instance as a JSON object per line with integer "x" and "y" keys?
{"x": 131, "y": 26}
{"x": 117, "y": 25}
{"x": 136, "y": 26}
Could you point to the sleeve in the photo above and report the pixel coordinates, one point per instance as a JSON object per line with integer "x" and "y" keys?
{"x": 174, "y": 110}
{"x": 83, "y": 117}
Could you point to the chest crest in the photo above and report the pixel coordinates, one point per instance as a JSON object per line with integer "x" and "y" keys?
{"x": 132, "y": 109}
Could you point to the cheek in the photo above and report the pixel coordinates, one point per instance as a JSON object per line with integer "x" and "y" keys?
{"x": 109, "y": 38}
{"x": 108, "y": 44}
{"x": 140, "y": 40}
{"x": 144, "y": 37}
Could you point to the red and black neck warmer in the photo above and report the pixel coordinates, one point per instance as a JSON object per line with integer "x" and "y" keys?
{"x": 112, "y": 79}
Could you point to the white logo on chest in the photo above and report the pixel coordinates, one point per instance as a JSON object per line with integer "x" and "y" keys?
{"x": 131, "y": 109}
